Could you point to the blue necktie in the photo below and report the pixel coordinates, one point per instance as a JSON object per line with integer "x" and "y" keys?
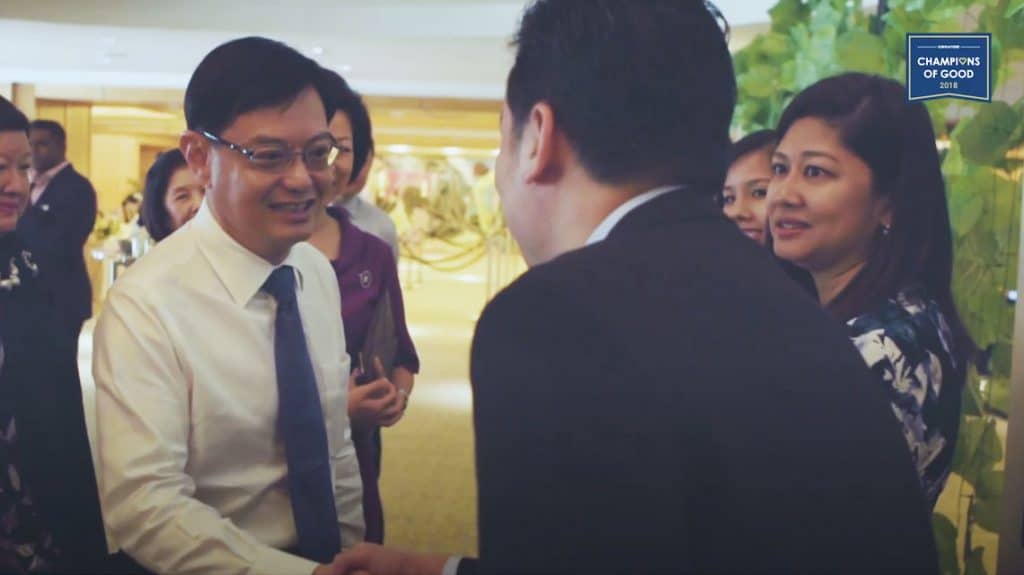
{"x": 301, "y": 423}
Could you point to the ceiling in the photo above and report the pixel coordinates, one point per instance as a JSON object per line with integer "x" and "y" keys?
{"x": 427, "y": 48}
{"x": 433, "y": 71}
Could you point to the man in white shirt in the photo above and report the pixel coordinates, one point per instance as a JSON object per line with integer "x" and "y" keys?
{"x": 220, "y": 359}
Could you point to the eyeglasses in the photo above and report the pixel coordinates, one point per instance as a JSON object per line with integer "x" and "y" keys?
{"x": 317, "y": 154}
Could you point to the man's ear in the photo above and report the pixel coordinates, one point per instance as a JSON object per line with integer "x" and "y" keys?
{"x": 538, "y": 145}
{"x": 196, "y": 150}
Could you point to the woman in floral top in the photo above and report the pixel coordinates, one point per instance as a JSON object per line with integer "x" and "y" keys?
{"x": 858, "y": 201}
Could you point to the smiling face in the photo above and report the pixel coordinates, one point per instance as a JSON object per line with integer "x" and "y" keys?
{"x": 267, "y": 211}
{"x": 341, "y": 129}
{"x": 822, "y": 210}
{"x": 183, "y": 198}
{"x": 15, "y": 161}
{"x": 744, "y": 197}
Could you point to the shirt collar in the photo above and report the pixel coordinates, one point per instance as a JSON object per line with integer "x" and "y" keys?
{"x": 353, "y": 204}
{"x": 241, "y": 271}
{"x": 48, "y": 175}
{"x": 605, "y": 227}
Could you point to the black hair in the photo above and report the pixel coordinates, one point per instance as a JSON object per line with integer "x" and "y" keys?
{"x": 644, "y": 91}
{"x": 752, "y": 142}
{"x": 153, "y": 211}
{"x": 245, "y": 75}
{"x": 11, "y": 118}
{"x": 348, "y": 101}
{"x": 50, "y": 126}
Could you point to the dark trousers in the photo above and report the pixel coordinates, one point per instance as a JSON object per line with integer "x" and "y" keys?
{"x": 368, "y": 453}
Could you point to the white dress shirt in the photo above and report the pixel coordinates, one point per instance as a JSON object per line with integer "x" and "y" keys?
{"x": 372, "y": 219}
{"x": 192, "y": 469}
{"x": 611, "y": 220}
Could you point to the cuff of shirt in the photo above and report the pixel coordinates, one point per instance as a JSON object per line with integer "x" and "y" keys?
{"x": 270, "y": 561}
{"x": 451, "y": 566}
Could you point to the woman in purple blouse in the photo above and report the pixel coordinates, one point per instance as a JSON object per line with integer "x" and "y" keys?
{"x": 366, "y": 271}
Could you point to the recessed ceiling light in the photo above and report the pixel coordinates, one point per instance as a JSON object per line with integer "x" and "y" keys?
{"x": 451, "y": 151}
{"x": 399, "y": 149}
{"x": 316, "y": 51}
{"x": 345, "y": 68}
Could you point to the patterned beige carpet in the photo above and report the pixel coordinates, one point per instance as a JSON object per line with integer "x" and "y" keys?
{"x": 428, "y": 481}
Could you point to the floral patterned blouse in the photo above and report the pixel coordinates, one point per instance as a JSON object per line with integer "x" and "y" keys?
{"x": 908, "y": 345}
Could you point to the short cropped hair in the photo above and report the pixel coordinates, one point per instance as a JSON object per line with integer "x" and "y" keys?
{"x": 642, "y": 90}
{"x": 248, "y": 74}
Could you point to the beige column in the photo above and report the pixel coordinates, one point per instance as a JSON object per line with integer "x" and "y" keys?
{"x": 24, "y": 97}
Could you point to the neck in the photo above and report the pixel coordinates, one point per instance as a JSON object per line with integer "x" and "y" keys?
{"x": 327, "y": 236}
{"x": 273, "y": 254}
{"x": 831, "y": 283}
{"x": 582, "y": 206}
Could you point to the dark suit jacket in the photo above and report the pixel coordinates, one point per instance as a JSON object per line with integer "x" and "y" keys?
{"x": 668, "y": 401}
{"x": 56, "y": 228}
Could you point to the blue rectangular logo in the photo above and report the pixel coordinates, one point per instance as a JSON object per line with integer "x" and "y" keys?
{"x": 949, "y": 66}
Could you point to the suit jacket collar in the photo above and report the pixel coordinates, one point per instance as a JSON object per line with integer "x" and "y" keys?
{"x": 46, "y": 179}
{"x": 686, "y": 204}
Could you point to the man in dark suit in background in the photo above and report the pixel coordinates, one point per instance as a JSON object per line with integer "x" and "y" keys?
{"x": 58, "y": 222}
{"x": 654, "y": 395}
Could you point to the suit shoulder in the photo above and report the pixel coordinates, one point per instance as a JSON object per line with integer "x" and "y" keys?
{"x": 540, "y": 296}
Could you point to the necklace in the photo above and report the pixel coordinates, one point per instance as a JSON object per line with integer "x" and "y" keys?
{"x": 13, "y": 278}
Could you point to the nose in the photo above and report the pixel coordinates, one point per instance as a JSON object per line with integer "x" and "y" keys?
{"x": 783, "y": 192}
{"x": 739, "y": 211}
{"x": 15, "y": 183}
{"x": 297, "y": 176}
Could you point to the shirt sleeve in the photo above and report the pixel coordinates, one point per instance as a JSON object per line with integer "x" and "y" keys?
{"x": 912, "y": 376}
{"x": 406, "y": 355}
{"x": 148, "y": 498}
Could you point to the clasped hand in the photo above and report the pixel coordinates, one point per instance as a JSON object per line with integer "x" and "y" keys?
{"x": 375, "y": 404}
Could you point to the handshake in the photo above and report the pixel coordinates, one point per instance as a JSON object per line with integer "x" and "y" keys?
{"x": 369, "y": 558}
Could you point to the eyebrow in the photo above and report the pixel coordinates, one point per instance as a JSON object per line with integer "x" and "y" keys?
{"x": 272, "y": 140}
{"x": 808, "y": 154}
{"x": 756, "y": 181}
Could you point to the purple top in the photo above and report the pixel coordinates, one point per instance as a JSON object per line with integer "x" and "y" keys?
{"x": 365, "y": 268}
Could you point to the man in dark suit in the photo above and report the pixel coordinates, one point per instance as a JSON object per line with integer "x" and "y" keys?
{"x": 654, "y": 395}
{"x": 59, "y": 220}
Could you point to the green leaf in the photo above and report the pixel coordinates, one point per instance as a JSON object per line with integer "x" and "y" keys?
{"x": 978, "y": 449}
{"x": 985, "y": 137}
{"x": 775, "y": 44}
{"x": 1015, "y": 7}
{"x": 1002, "y": 358}
{"x": 990, "y": 485}
{"x": 786, "y": 14}
{"x": 973, "y": 563}
{"x": 988, "y": 514}
{"x": 965, "y": 208}
{"x": 945, "y": 541}
{"x": 1001, "y": 394}
{"x": 758, "y": 82}
{"x": 972, "y": 405}
{"x": 861, "y": 51}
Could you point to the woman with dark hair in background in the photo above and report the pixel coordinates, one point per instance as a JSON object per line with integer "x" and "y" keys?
{"x": 367, "y": 279}
{"x": 857, "y": 199}
{"x": 172, "y": 195}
